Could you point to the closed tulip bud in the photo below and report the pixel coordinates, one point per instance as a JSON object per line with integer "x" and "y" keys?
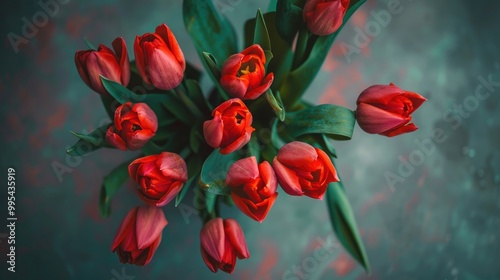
{"x": 304, "y": 170}
{"x": 244, "y": 74}
{"x": 221, "y": 242}
{"x": 139, "y": 235}
{"x": 324, "y": 17}
{"x": 133, "y": 126}
{"x": 159, "y": 58}
{"x": 253, "y": 187}
{"x": 387, "y": 109}
{"x": 230, "y": 129}
{"x": 114, "y": 66}
{"x": 160, "y": 177}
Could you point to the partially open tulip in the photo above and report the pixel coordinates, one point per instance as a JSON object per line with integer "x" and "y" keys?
{"x": 244, "y": 74}
{"x": 139, "y": 235}
{"x": 159, "y": 58}
{"x": 132, "y": 127}
{"x": 323, "y": 17}
{"x": 304, "y": 170}
{"x": 230, "y": 129}
{"x": 253, "y": 187}
{"x": 386, "y": 110}
{"x": 160, "y": 177}
{"x": 113, "y": 65}
{"x": 221, "y": 242}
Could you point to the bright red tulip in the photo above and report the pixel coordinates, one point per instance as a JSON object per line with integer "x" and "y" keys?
{"x": 253, "y": 187}
{"x": 139, "y": 235}
{"x": 230, "y": 129}
{"x": 386, "y": 110}
{"x": 323, "y": 17}
{"x": 133, "y": 126}
{"x": 243, "y": 74}
{"x": 159, "y": 58}
{"x": 115, "y": 66}
{"x": 304, "y": 170}
{"x": 221, "y": 242}
{"x": 160, "y": 177}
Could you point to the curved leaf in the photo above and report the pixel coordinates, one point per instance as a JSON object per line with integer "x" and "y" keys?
{"x": 214, "y": 170}
{"x": 289, "y": 18}
{"x": 111, "y": 184}
{"x": 261, "y": 35}
{"x": 334, "y": 121}
{"x": 344, "y": 224}
{"x": 89, "y": 142}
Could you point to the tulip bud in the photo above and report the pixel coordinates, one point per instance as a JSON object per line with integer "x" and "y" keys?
{"x": 230, "y": 129}
{"x": 221, "y": 242}
{"x": 253, "y": 187}
{"x": 324, "y": 17}
{"x": 139, "y": 235}
{"x": 133, "y": 126}
{"x": 160, "y": 177}
{"x": 386, "y": 110}
{"x": 243, "y": 74}
{"x": 104, "y": 62}
{"x": 159, "y": 58}
{"x": 304, "y": 170}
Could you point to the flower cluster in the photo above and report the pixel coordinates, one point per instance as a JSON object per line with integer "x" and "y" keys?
{"x": 217, "y": 139}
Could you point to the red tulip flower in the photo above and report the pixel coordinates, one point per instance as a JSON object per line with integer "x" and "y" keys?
{"x": 386, "y": 110}
{"x": 160, "y": 177}
{"x": 230, "y": 129}
{"x": 159, "y": 58}
{"x": 304, "y": 170}
{"x": 253, "y": 187}
{"x": 139, "y": 235}
{"x": 112, "y": 65}
{"x": 133, "y": 126}
{"x": 221, "y": 242}
{"x": 244, "y": 74}
{"x": 324, "y": 17}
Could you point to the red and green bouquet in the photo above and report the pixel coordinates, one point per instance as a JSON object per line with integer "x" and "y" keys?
{"x": 242, "y": 141}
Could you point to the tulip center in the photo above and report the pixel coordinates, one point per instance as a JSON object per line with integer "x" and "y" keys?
{"x": 246, "y": 68}
{"x": 136, "y": 127}
{"x": 239, "y": 118}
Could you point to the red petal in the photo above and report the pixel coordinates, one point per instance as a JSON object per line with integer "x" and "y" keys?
{"x": 287, "y": 179}
{"x": 258, "y": 91}
{"x": 149, "y": 225}
{"x": 212, "y": 239}
{"x": 213, "y": 131}
{"x": 125, "y": 228}
{"x": 235, "y": 235}
{"x": 121, "y": 52}
{"x": 242, "y": 171}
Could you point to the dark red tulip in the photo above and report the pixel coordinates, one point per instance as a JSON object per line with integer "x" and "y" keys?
{"x": 112, "y": 65}
{"x": 221, "y": 242}
{"x": 230, "y": 129}
{"x": 304, "y": 170}
{"x": 160, "y": 177}
{"x": 133, "y": 126}
{"x": 324, "y": 17}
{"x": 387, "y": 109}
{"x": 159, "y": 58}
{"x": 139, "y": 235}
{"x": 253, "y": 187}
{"x": 244, "y": 74}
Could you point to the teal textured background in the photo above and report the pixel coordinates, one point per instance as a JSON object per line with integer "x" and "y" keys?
{"x": 442, "y": 222}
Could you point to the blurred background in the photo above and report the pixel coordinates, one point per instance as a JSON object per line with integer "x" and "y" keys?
{"x": 439, "y": 219}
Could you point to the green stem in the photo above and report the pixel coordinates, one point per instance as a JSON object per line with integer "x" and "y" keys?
{"x": 300, "y": 48}
{"x": 188, "y": 102}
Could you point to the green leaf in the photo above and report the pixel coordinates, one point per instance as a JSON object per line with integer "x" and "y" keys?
{"x": 282, "y": 59}
{"x": 89, "y": 44}
{"x": 120, "y": 93}
{"x": 261, "y": 35}
{"x": 195, "y": 139}
{"x": 210, "y": 201}
{"x": 210, "y": 31}
{"x": 297, "y": 81}
{"x": 214, "y": 170}
{"x": 344, "y": 223}
{"x": 334, "y": 121}
{"x": 89, "y": 142}
{"x": 289, "y": 18}
{"x": 272, "y": 6}
{"x": 111, "y": 184}
{"x": 276, "y": 104}
{"x": 194, "y": 166}
{"x": 212, "y": 65}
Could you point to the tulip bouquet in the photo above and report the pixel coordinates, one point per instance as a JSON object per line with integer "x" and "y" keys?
{"x": 237, "y": 142}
